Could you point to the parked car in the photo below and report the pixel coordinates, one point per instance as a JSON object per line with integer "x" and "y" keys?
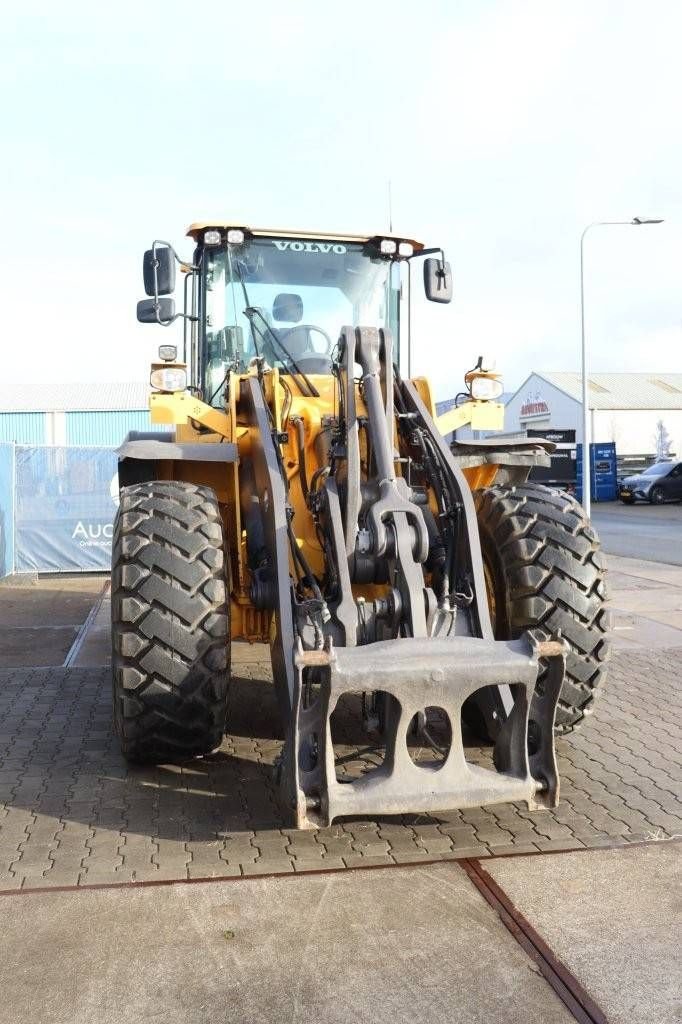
{"x": 658, "y": 483}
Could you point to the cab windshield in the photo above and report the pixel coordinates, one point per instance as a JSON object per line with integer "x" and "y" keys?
{"x": 286, "y": 300}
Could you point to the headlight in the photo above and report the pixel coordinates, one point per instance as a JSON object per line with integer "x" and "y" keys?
{"x": 485, "y": 389}
{"x": 169, "y": 353}
{"x": 405, "y": 249}
{"x": 235, "y": 236}
{"x": 387, "y": 247}
{"x": 212, "y": 237}
{"x": 169, "y": 378}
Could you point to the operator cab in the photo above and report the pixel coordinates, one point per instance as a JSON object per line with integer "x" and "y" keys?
{"x": 284, "y": 298}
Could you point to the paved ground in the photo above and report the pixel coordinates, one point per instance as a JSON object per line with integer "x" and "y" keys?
{"x": 372, "y": 946}
{"x": 613, "y": 917}
{"x": 360, "y": 946}
{"x": 640, "y": 530}
{"x": 73, "y": 812}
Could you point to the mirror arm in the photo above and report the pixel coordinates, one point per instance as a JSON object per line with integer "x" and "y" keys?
{"x": 186, "y": 318}
{"x": 188, "y": 267}
{"x": 177, "y": 316}
{"x": 430, "y": 252}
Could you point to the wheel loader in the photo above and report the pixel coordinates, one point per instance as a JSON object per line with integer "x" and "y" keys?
{"x": 299, "y": 491}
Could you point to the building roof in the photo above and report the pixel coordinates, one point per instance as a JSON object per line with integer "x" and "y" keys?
{"x": 622, "y": 390}
{"x": 57, "y": 397}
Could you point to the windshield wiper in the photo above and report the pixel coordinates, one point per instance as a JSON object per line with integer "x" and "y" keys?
{"x": 249, "y": 312}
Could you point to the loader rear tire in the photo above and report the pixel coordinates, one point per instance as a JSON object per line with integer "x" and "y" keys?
{"x": 546, "y": 574}
{"x": 170, "y": 621}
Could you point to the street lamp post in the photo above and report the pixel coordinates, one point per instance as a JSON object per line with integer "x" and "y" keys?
{"x": 587, "y": 482}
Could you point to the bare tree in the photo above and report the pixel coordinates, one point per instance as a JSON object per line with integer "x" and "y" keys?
{"x": 662, "y": 441}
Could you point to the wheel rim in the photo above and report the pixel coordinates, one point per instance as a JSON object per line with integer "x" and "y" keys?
{"x": 496, "y": 601}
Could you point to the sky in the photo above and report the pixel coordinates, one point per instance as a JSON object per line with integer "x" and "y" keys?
{"x": 504, "y": 127}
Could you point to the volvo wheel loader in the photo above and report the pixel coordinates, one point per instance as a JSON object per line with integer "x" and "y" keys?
{"x": 303, "y": 494}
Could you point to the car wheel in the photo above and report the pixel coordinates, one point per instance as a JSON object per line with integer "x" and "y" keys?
{"x": 656, "y": 496}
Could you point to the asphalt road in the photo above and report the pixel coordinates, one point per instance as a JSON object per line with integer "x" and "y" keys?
{"x": 640, "y": 531}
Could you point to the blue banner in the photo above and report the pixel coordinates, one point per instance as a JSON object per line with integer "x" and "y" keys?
{"x": 603, "y": 472}
{"x": 6, "y": 509}
{"x": 65, "y": 503}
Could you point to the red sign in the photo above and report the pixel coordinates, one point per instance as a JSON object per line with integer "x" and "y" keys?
{"x": 534, "y": 406}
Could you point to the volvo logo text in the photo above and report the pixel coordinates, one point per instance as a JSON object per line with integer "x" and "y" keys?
{"x": 311, "y": 247}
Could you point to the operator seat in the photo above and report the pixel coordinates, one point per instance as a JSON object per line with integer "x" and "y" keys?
{"x": 288, "y": 307}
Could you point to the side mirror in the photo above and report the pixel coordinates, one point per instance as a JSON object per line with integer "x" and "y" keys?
{"x": 163, "y": 260}
{"x": 437, "y": 280}
{"x": 151, "y": 312}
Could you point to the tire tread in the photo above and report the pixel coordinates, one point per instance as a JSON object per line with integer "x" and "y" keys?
{"x": 170, "y": 621}
{"x": 550, "y": 572}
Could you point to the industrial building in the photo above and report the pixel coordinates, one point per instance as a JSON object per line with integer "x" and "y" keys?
{"x": 625, "y": 408}
{"x": 72, "y": 414}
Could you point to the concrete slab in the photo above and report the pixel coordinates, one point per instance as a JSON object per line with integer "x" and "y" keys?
{"x": 383, "y": 947}
{"x": 53, "y": 600}
{"x": 639, "y": 567}
{"x": 40, "y": 617}
{"x": 640, "y": 632}
{"x": 95, "y": 648}
{"x": 646, "y": 604}
{"x": 613, "y": 917}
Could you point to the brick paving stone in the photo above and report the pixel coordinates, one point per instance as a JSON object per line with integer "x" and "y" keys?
{"x": 374, "y": 848}
{"x": 70, "y": 806}
{"x": 405, "y": 856}
{"x": 9, "y": 880}
{"x": 435, "y": 845}
{"x": 461, "y": 834}
{"x": 357, "y": 860}
{"x": 558, "y": 844}
{"x": 405, "y": 843}
{"x": 268, "y": 867}
{"x": 62, "y": 876}
{"x": 337, "y": 847}
{"x": 516, "y": 848}
{"x": 467, "y": 852}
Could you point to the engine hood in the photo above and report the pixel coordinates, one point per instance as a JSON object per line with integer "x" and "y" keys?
{"x": 642, "y": 482}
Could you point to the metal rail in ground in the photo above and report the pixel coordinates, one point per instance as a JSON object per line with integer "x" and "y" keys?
{"x": 567, "y": 987}
{"x": 149, "y": 883}
{"x": 82, "y": 633}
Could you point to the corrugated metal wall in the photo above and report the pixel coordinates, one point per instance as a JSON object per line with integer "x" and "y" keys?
{"x": 80, "y": 428}
{"x": 22, "y": 427}
{"x": 106, "y": 428}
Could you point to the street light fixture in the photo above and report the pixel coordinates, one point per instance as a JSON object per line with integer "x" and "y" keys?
{"x": 587, "y": 482}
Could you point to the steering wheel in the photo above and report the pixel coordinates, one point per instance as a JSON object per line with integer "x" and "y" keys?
{"x": 309, "y": 327}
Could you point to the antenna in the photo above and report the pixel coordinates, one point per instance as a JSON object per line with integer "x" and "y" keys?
{"x": 390, "y": 208}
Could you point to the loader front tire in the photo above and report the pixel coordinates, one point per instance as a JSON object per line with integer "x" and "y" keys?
{"x": 170, "y": 621}
{"x": 545, "y": 573}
